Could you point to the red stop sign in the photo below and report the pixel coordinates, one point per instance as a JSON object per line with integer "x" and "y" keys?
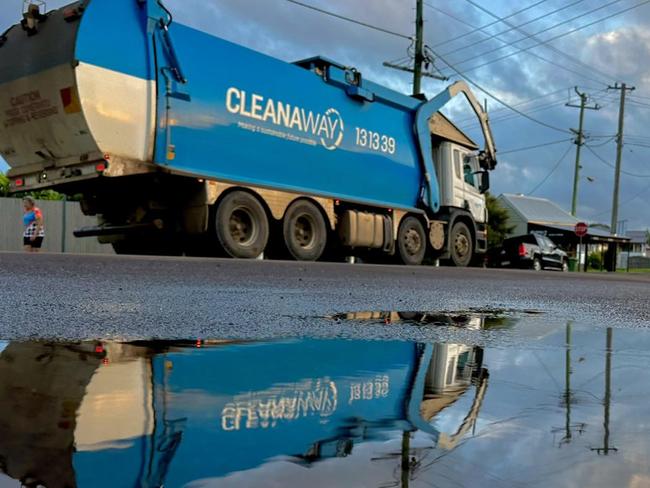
{"x": 581, "y": 229}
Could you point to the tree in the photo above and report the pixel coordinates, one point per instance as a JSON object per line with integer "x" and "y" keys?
{"x": 498, "y": 217}
{"x": 647, "y": 237}
{"x": 4, "y": 185}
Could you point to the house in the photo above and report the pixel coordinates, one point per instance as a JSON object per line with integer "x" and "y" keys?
{"x": 533, "y": 214}
{"x": 638, "y": 245}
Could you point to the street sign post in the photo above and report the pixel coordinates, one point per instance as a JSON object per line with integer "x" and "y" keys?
{"x": 581, "y": 230}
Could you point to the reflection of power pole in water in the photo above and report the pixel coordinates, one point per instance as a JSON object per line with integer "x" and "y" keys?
{"x": 167, "y": 434}
{"x": 406, "y": 459}
{"x": 608, "y": 395}
{"x": 568, "y": 398}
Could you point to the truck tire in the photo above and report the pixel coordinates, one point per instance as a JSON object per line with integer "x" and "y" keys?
{"x": 241, "y": 225}
{"x": 461, "y": 245}
{"x": 305, "y": 231}
{"x": 537, "y": 264}
{"x": 411, "y": 242}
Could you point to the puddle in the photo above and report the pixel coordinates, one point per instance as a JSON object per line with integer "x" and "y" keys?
{"x": 327, "y": 413}
{"x": 476, "y": 319}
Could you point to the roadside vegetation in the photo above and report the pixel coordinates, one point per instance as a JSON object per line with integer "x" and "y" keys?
{"x": 38, "y": 195}
{"x": 498, "y": 228}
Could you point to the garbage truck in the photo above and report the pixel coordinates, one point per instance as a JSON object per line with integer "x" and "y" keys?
{"x": 179, "y": 141}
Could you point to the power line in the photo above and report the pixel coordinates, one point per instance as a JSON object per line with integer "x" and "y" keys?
{"x": 554, "y": 37}
{"x": 517, "y": 12}
{"x": 519, "y": 105}
{"x": 546, "y": 29}
{"x": 351, "y": 20}
{"x": 527, "y": 148}
{"x": 557, "y": 165}
{"x": 511, "y": 116}
{"x": 533, "y": 36}
{"x": 452, "y": 67}
{"x": 607, "y": 141}
{"x": 627, "y": 202}
{"x": 604, "y": 161}
{"x": 558, "y": 65}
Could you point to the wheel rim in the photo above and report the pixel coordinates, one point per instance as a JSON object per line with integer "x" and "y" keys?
{"x": 412, "y": 241}
{"x": 242, "y": 226}
{"x": 537, "y": 265}
{"x": 304, "y": 232}
{"x": 461, "y": 245}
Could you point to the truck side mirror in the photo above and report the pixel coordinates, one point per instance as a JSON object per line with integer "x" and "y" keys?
{"x": 484, "y": 181}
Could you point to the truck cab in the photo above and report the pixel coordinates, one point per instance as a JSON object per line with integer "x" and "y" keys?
{"x": 462, "y": 180}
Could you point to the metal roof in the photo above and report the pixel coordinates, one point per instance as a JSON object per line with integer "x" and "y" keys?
{"x": 543, "y": 212}
{"x": 637, "y": 236}
{"x": 539, "y": 210}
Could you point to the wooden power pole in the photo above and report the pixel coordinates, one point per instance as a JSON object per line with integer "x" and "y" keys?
{"x": 580, "y": 141}
{"x": 619, "y": 153}
{"x": 420, "y": 57}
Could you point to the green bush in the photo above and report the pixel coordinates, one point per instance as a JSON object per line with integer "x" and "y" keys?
{"x": 595, "y": 260}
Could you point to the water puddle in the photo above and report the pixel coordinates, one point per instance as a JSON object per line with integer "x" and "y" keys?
{"x": 476, "y": 319}
{"x": 328, "y": 413}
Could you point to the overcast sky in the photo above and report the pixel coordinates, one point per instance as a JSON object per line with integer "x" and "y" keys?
{"x": 610, "y": 50}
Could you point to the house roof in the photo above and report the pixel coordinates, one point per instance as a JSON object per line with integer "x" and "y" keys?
{"x": 637, "y": 236}
{"x": 444, "y": 128}
{"x": 543, "y": 212}
{"x": 538, "y": 210}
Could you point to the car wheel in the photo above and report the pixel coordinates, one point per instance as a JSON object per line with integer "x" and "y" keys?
{"x": 241, "y": 225}
{"x": 565, "y": 266}
{"x": 305, "y": 231}
{"x": 411, "y": 242}
{"x": 461, "y": 245}
{"x": 537, "y": 264}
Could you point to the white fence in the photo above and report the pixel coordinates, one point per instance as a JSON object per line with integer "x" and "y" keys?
{"x": 60, "y": 218}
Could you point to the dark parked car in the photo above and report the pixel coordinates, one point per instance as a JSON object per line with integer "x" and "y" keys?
{"x": 532, "y": 251}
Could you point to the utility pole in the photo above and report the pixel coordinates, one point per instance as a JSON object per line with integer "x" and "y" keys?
{"x": 419, "y": 47}
{"x": 619, "y": 152}
{"x": 568, "y": 397}
{"x": 580, "y": 141}
{"x": 608, "y": 397}
{"x": 422, "y": 61}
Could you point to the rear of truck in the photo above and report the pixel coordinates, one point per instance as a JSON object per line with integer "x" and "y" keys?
{"x": 72, "y": 110}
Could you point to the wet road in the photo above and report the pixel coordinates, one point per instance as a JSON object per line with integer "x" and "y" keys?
{"x": 491, "y": 378}
{"x": 83, "y": 297}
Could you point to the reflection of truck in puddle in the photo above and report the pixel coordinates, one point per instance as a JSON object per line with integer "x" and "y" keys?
{"x": 471, "y": 320}
{"x": 167, "y": 414}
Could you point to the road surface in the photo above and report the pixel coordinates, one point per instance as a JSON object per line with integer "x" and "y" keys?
{"x": 87, "y": 297}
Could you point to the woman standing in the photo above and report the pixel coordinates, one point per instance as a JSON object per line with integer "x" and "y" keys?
{"x": 34, "y": 228}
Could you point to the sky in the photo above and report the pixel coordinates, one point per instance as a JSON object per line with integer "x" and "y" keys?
{"x": 534, "y": 63}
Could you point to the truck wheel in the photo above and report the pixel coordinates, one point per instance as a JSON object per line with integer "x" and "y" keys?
{"x": 537, "y": 264}
{"x": 461, "y": 246}
{"x": 241, "y": 225}
{"x": 305, "y": 231}
{"x": 411, "y": 242}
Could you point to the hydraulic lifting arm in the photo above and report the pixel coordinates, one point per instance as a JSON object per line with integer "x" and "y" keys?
{"x": 487, "y": 156}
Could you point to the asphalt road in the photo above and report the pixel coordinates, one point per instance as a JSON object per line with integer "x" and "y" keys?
{"x": 87, "y": 297}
